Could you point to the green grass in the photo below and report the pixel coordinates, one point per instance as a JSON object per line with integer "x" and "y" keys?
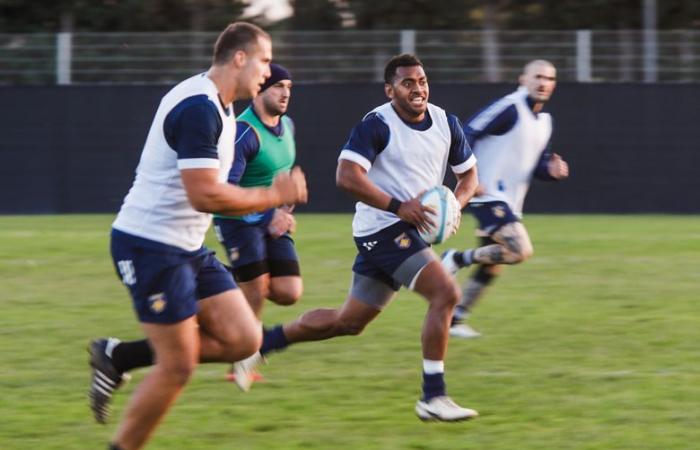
{"x": 592, "y": 344}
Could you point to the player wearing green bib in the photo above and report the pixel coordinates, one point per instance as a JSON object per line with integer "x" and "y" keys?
{"x": 259, "y": 247}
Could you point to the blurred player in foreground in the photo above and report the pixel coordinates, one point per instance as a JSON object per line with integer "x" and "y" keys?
{"x": 188, "y": 304}
{"x": 399, "y": 150}
{"x": 510, "y": 138}
{"x": 259, "y": 247}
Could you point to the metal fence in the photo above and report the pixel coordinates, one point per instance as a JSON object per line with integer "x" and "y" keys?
{"x": 357, "y": 56}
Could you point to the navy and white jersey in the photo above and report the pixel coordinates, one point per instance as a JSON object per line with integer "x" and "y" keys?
{"x": 404, "y": 159}
{"x": 191, "y": 130}
{"x": 510, "y": 141}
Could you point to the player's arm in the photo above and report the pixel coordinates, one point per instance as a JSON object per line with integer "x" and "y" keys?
{"x": 207, "y": 194}
{"x": 352, "y": 178}
{"x": 495, "y": 120}
{"x": 551, "y": 166}
{"x": 463, "y": 163}
{"x": 367, "y": 140}
{"x": 192, "y": 129}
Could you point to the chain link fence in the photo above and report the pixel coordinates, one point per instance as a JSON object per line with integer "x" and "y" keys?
{"x": 357, "y": 56}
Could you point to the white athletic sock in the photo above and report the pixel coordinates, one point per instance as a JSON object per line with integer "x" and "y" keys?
{"x": 431, "y": 366}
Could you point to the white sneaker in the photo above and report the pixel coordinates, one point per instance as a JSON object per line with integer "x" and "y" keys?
{"x": 245, "y": 371}
{"x": 443, "y": 409}
{"x": 463, "y": 331}
{"x": 448, "y": 262}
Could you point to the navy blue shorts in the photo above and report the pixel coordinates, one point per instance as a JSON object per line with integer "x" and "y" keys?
{"x": 252, "y": 252}
{"x": 165, "y": 282}
{"x": 492, "y": 215}
{"x": 381, "y": 254}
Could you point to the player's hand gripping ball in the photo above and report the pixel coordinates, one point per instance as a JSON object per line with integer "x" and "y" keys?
{"x": 447, "y": 217}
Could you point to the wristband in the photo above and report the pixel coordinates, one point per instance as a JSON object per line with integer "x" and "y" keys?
{"x": 394, "y": 206}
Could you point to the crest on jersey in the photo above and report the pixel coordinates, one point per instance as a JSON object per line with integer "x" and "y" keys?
{"x": 498, "y": 211}
{"x": 402, "y": 240}
{"x": 157, "y": 302}
{"x": 234, "y": 254}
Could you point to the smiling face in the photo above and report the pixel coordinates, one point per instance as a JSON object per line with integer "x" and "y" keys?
{"x": 254, "y": 64}
{"x": 409, "y": 92}
{"x": 275, "y": 99}
{"x": 540, "y": 79}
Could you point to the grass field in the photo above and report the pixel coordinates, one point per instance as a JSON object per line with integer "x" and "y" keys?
{"x": 592, "y": 344}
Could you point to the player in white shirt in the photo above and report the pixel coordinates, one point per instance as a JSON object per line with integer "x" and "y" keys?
{"x": 189, "y": 307}
{"x": 397, "y": 151}
{"x": 510, "y": 140}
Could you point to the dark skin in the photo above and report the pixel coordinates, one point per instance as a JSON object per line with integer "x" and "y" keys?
{"x": 409, "y": 97}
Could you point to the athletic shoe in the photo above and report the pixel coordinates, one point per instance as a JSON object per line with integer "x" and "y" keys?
{"x": 105, "y": 378}
{"x": 245, "y": 371}
{"x": 443, "y": 409}
{"x": 463, "y": 331}
{"x": 448, "y": 262}
{"x": 256, "y": 376}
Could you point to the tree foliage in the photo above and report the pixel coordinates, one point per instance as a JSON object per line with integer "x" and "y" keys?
{"x": 118, "y": 15}
{"x": 213, "y": 15}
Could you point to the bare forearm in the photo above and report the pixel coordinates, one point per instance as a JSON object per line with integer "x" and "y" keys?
{"x": 231, "y": 200}
{"x": 466, "y": 186}
{"x": 362, "y": 189}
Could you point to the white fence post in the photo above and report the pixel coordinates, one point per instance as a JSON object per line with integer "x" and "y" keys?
{"x": 64, "y": 55}
{"x": 650, "y": 41}
{"x": 408, "y": 41}
{"x": 490, "y": 55}
{"x": 584, "y": 70}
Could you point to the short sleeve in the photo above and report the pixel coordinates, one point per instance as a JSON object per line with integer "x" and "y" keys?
{"x": 367, "y": 139}
{"x": 192, "y": 128}
{"x": 495, "y": 120}
{"x": 246, "y": 148}
{"x": 460, "y": 156}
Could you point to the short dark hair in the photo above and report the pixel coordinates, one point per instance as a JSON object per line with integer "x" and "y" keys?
{"x": 236, "y": 36}
{"x": 403, "y": 60}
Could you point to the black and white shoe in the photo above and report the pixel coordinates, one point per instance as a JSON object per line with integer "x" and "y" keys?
{"x": 105, "y": 378}
{"x": 443, "y": 409}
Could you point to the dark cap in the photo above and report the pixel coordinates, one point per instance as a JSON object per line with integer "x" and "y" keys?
{"x": 278, "y": 73}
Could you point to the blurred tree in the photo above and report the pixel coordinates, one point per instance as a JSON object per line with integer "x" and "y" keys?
{"x": 599, "y": 14}
{"x": 407, "y": 14}
{"x": 510, "y": 14}
{"x": 314, "y": 15}
{"x": 118, "y": 15}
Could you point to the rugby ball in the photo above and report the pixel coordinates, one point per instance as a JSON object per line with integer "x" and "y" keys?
{"x": 447, "y": 217}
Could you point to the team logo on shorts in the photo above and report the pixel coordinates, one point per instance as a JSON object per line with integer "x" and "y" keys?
{"x": 157, "y": 302}
{"x": 234, "y": 254}
{"x": 402, "y": 240}
{"x": 498, "y": 211}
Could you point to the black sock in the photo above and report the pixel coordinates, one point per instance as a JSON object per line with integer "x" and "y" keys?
{"x": 433, "y": 385}
{"x": 132, "y": 355}
{"x": 273, "y": 339}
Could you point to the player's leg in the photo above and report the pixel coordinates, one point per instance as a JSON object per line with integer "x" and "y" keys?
{"x": 246, "y": 250}
{"x": 256, "y": 290}
{"x": 229, "y": 331}
{"x": 364, "y": 303}
{"x": 162, "y": 281}
{"x": 176, "y": 349}
{"x": 511, "y": 241}
{"x": 423, "y": 273}
{"x": 473, "y": 290}
{"x": 286, "y": 285}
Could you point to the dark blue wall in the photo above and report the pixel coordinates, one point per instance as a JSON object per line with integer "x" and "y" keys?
{"x": 632, "y": 148}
